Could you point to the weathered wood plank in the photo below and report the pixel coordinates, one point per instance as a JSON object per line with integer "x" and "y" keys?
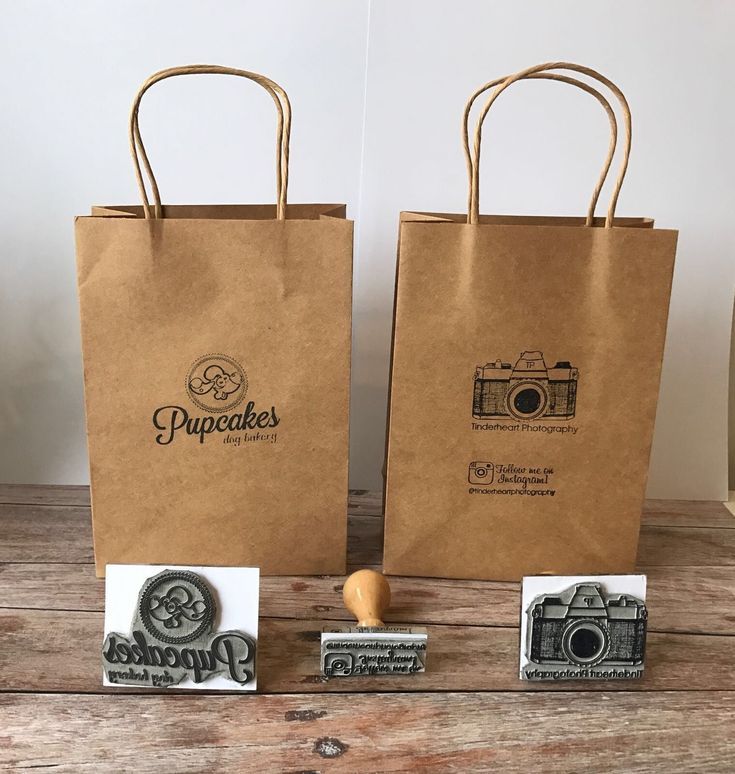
{"x": 392, "y": 732}
{"x": 687, "y": 513}
{"x": 56, "y": 651}
{"x": 38, "y": 533}
{"x": 34, "y": 533}
{"x": 667, "y": 513}
{"x": 686, "y": 546}
{"x": 365, "y": 502}
{"x": 697, "y": 600}
{"x": 48, "y": 586}
{"x": 44, "y": 494}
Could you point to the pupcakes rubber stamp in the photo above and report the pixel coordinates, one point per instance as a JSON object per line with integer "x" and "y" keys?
{"x": 174, "y": 637}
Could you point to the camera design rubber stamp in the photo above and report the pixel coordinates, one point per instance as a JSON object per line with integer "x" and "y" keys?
{"x": 525, "y": 391}
{"x": 583, "y": 628}
{"x": 173, "y": 637}
{"x": 371, "y": 647}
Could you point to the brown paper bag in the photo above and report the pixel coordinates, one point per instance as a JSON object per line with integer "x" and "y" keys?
{"x": 217, "y": 362}
{"x": 525, "y": 372}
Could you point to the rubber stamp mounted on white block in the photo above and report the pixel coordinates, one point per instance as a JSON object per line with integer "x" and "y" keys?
{"x": 371, "y": 647}
{"x": 192, "y": 627}
{"x": 583, "y": 627}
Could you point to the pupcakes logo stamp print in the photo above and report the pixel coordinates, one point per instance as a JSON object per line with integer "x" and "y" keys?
{"x": 173, "y": 639}
{"x": 217, "y": 384}
{"x": 176, "y": 607}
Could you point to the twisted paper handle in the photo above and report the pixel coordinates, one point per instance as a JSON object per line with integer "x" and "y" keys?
{"x": 541, "y": 71}
{"x": 283, "y": 133}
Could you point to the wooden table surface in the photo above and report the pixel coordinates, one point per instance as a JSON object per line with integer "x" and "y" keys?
{"x": 469, "y": 712}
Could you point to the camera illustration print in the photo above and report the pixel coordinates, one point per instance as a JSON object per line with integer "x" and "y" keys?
{"x": 216, "y": 383}
{"x": 525, "y": 391}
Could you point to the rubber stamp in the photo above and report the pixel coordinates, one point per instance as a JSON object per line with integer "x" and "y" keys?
{"x": 577, "y": 628}
{"x": 371, "y": 647}
{"x": 177, "y": 637}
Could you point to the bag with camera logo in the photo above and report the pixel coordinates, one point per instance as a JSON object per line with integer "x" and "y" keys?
{"x": 524, "y": 380}
{"x": 216, "y": 346}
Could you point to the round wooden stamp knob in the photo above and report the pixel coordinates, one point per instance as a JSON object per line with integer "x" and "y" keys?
{"x": 366, "y": 594}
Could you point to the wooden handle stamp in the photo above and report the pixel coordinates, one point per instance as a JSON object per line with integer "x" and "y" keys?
{"x": 371, "y": 647}
{"x": 366, "y": 595}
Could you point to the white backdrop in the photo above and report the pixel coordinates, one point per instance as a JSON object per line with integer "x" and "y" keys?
{"x": 378, "y": 89}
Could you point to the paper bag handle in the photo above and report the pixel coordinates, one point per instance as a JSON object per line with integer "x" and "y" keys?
{"x": 473, "y": 215}
{"x": 553, "y": 77}
{"x": 283, "y": 133}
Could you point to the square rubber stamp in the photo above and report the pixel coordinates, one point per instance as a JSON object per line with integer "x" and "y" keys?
{"x": 583, "y": 627}
{"x": 184, "y": 627}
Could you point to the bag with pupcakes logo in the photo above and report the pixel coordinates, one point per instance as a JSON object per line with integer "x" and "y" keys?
{"x": 216, "y": 344}
{"x": 540, "y": 339}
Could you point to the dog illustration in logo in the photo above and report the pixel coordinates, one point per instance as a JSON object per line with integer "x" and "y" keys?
{"x": 178, "y": 602}
{"x": 218, "y": 381}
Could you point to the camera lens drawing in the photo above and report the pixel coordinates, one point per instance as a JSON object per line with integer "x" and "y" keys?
{"x": 585, "y": 642}
{"x": 338, "y": 664}
{"x": 481, "y": 472}
{"x": 526, "y": 401}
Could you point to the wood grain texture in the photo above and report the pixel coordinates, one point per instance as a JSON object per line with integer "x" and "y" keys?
{"x": 453, "y": 732}
{"x": 44, "y": 494}
{"x": 685, "y": 513}
{"x": 697, "y": 600}
{"x": 682, "y": 546}
{"x": 58, "y": 651}
{"x": 671, "y": 513}
{"x": 468, "y": 712}
{"x": 34, "y": 533}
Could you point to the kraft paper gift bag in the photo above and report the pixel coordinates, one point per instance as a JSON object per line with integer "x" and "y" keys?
{"x": 216, "y": 346}
{"x": 524, "y": 380}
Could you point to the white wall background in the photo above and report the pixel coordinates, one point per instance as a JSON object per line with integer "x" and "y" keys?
{"x": 68, "y": 73}
{"x": 378, "y": 89}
